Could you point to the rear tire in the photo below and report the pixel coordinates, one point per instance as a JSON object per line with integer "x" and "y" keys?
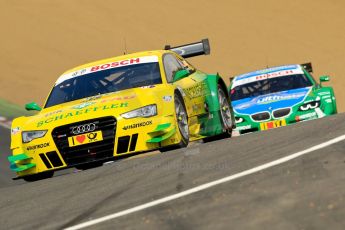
{"x": 226, "y": 117}
{"x": 182, "y": 124}
{"x": 225, "y": 111}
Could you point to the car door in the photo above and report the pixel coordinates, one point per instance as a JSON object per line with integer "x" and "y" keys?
{"x": 193, "y": 85}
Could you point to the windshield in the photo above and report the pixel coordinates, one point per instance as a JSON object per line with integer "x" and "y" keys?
{"x": 106, "y": 81}
{"x": 271, "y": 85}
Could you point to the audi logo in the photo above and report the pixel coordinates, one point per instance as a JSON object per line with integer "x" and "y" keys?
{"x": 83, "y": 128}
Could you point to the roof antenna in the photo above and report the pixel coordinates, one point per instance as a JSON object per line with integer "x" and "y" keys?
{"x": 125, "y": 52}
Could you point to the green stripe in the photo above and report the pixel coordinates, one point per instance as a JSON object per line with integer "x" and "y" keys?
{"x": 18, "y": 157}
{"x": 15, "y": 168}
{"x": 162, "y": 138}
{"x": 161, "y": 127}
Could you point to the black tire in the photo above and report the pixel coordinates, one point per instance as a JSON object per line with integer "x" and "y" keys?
{"x": 182, "y": 124}
{"x": 226, "y": 117}
{"x": 39, "y": 176}
{"x": 89, "y": 165}
{"x": 225, "y": 110}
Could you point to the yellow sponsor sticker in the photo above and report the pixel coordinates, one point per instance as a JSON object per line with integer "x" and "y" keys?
{"x": 85, "y": 138}
{"x": 272, "y": 124}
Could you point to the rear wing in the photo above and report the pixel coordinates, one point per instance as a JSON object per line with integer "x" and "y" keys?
{"x": 230, "y": 81}
{"x": 308, "y": 67}
{"x": 192, "y": 49}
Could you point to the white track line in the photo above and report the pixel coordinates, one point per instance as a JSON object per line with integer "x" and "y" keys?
{"x": 7, "y": 126}
{"x": 5, "y": 123}
{"x": 206, "y": 186}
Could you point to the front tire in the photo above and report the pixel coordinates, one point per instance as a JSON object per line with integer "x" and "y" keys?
{"x": 89, "y": 165}
{"x": 39, "y": 176}
{"x": 181, "y": 123}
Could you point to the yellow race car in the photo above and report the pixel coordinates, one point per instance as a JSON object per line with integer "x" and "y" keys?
{"x": 123, "y": 105}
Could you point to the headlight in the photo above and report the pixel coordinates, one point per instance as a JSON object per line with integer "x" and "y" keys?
{"x": 239, "y": 120}
{"x": 28, "y": 136}
{"x": 146, "y": 111}
{"x": 310, "y": 105}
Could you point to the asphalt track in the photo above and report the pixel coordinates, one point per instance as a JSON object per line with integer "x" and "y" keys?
{"x": 5, "y": 172}
{"x": 307, "y": 192}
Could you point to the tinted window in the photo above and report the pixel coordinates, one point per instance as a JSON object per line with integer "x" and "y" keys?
{"x": 105, "y": 81}
{"x": 171, "y": 65}
{"x": 270, "y": 85}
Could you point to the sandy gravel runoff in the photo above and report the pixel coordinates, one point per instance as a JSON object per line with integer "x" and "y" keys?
{"x": 41, "y": 39}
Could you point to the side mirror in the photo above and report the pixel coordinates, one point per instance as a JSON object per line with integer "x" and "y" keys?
{"x": 32, "y": 106}
{"x": 323, "y": 79}
{"x": 180, "y": 74}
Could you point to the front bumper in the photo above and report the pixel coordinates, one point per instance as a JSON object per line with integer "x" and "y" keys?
{"x": 120, "y": 137}
{"x": 252, "y": 126}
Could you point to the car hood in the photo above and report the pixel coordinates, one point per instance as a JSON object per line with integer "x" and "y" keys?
{"x": 112, "y": 104}
{"x": 269, "y": 102}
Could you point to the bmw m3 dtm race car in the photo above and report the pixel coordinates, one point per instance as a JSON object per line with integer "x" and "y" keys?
{"x": 279, "y": 96}
{"x": 122, "y": 105}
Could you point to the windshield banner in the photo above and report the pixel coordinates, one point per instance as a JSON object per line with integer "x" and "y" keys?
{"x": 107, "y": 65}
{"x": 264, "y": 76}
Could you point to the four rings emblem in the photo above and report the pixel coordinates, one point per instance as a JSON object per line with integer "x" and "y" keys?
{"x": 83, "y": 128}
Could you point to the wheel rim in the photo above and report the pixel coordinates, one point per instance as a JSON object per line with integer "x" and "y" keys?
{"x": 182, "y": 120}
{"x": 225, "y": 109}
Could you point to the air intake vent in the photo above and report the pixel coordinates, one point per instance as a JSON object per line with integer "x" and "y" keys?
{"x": 54, "y": 159}
{"x": 281, "y": 112}
{"x": 45, "y": 160}
{"x": 261, "y": 116}
{"x": 100, "y": 150}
